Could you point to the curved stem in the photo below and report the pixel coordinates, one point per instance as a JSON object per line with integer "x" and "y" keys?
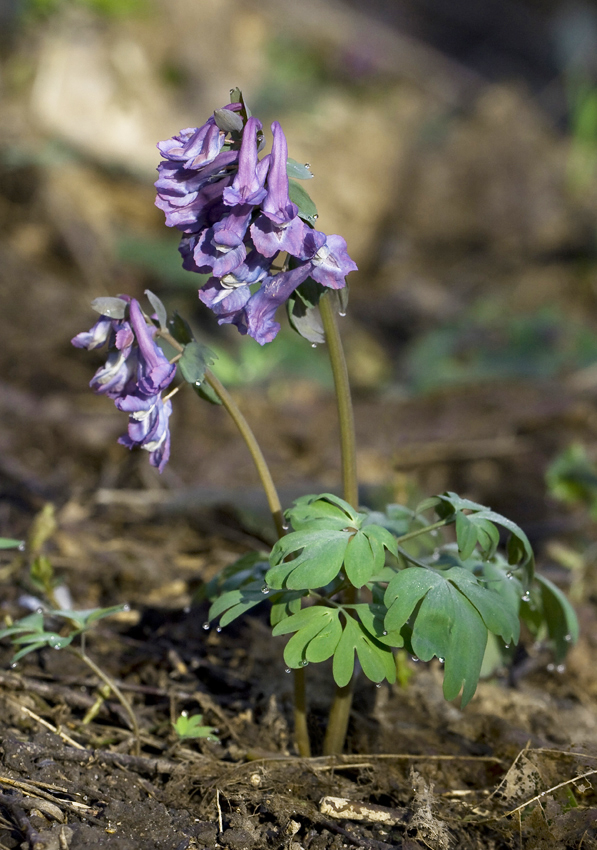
{"x": 340, "y": 711}
{"x": 116, "y": 690}
{"x": 253, "y": 446}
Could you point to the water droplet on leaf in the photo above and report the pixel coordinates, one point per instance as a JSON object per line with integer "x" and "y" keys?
{"x": 526, "y": 596}
{"x": 126, "y": 607}
{"x": 568, "y": 638}
{"x": 288, "y": 670}
{"x": 342, "y": 313}
{"x": 378, "y": 685}
{"x": 441, "y": 660}
{"x": 384, "y": 633}
{"x": 205, "y": 627}
{"x": 184, "y": 713}
{"x": 506, "y": 646}
{"x": 219, "y": 629}
{"x": 21, "y": 546}
{"x": 414, "y": 658}
{"x": 265, "y": 589}
{"x": 313, "y": 345}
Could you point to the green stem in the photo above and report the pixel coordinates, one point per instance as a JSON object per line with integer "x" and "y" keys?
{"x": 340, "y": 710}
{"x": 254, "y": 449}
{"x": 343, "y": 399}
{"x": 424, "y": 530}
{"x": 115, "y": 689}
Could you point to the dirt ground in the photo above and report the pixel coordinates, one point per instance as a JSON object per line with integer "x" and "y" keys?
{"x": 515, "y": 769}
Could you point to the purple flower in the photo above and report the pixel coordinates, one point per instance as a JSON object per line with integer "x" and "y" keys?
{"x": 237, "y": 216}
{"x": 148, "y": 429}
{"x": 328, "y": 258}
{"x": 261, "y": 308}
{"x": 134, "y": 375}
{"x": 247, "y": 187}
{"x": 154, "y": 372}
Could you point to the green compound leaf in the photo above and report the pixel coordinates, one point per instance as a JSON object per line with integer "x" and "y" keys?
{"x": 324, "y": 644}
{"x": 359, "y": 560}
{"x": 84, "y": 619}
{"x": 320, "y": 559}
{"x": 249, "y": 568}
{"x": 306, "y": 208}
{"x": 323, "y": 511}
{"x": 307, "y": 624}
{"x": 284, "y": 605}
{"x": 453, "y": 613}
{"x": 376, "y": 660}
{"x": 235, "y": 603}
{"x": 378, "y": 533}
{"x": 466, "y": 535}
{"x": 449, "y": 506}
{"x": 196, "y": 358}
{"x": 371, "y": 616}
{"x": 560, "y": 617}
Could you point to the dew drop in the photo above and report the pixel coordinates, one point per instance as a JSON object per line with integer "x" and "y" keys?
{"x": 265, "y": 589}
{"x": 506, "y": 646}
{"x": 304, "y": 663}
{"x": 184, "y": 713}
{"x": 568, "y": 638}
{"x": 288, "y": 670}
{"x": 561, "y": 668}
{"x": 219, "y": 629}
{"x": 526, "y": 596}
{"x": 384, "y": 633}
{"x": 14, "y": 665}
{"x": 21, "y": 546}
{"x": 307, "y": 165}
{"x": 509, "y": 574}
{"x": 315, "y": 217}
{"x": 205, "y": 627}
{"x": 551, "y": 668}
{"x": 197, "y": 383}
{"x": 39, "y": 610}
{"x": 441, "y": 660}
{"x": 126, "y": 607}
{"x": 414, "y": 658}
{"x": 378, "y": 685}
{"x": 285, "y": 526}
{"x": 342, "y": 313}
{"x": 313, "y": 345}
{"x": 216, "y": 731}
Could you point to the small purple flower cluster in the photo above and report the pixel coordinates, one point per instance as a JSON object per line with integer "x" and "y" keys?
{"x": 135, "y": 375}
{"x": 237, "y": 217}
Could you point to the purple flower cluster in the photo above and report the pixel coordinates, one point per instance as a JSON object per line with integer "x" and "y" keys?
{"x": 135, "y": 375}
{"x": 237, "y": 218}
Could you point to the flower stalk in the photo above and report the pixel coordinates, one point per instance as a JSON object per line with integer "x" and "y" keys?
{"x": 340, "y": 710}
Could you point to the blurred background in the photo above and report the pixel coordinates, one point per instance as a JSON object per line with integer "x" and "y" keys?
{"x": 454, "y": 146}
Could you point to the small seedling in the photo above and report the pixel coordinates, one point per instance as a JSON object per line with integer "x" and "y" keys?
{"x": 192, "y": 727}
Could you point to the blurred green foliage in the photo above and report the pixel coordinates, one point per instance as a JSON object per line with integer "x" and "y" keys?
{"x": 109, "y": 8}
{"x": 484, "y": 347}
{"x": 572, "y": 478}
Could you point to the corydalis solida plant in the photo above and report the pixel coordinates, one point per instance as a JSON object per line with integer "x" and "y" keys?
{"x": 347, "y": 583}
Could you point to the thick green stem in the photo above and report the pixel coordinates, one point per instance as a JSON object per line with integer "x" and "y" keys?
{"x": 116, "y": 690}
{"x": 343, "y": 398}
{"x": 340, "y": 710}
